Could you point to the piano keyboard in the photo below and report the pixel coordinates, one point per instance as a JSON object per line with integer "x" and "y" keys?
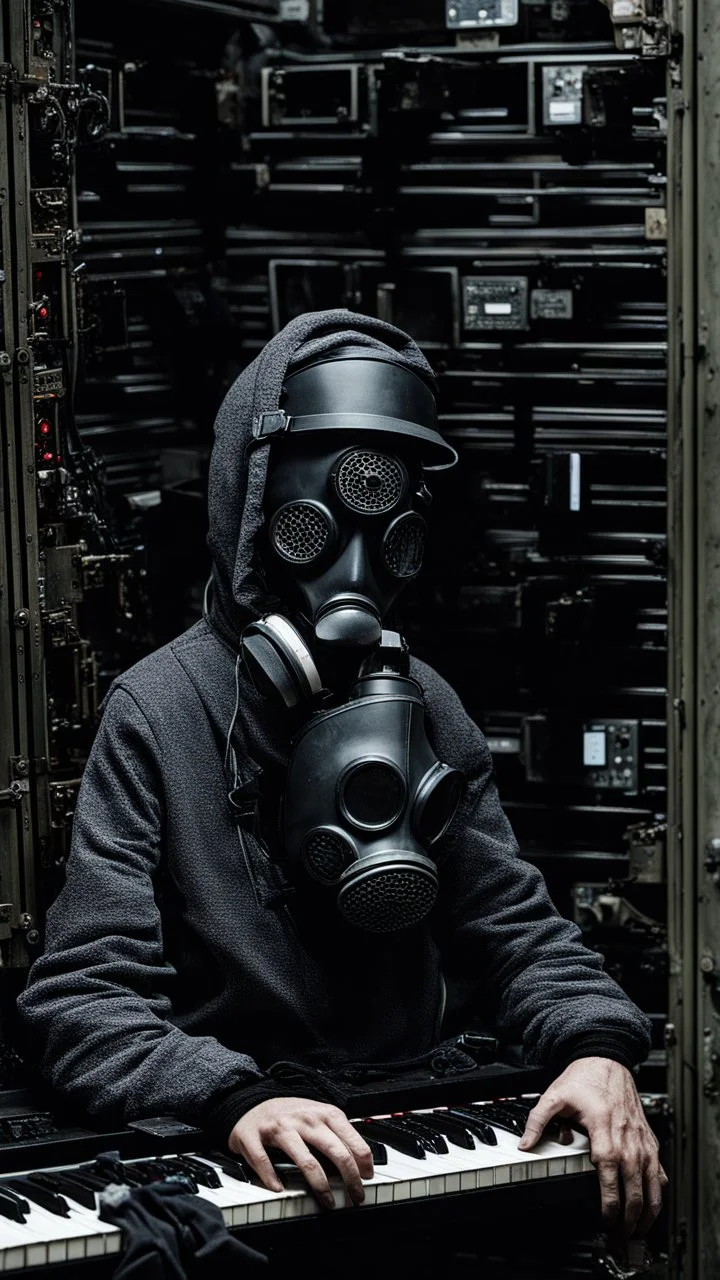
{"x": 52, "y": 1215}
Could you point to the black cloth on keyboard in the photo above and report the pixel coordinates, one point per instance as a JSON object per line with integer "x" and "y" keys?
{"x": 171, "y": 1234}
{"x": 334, "y": 1084}
{"x": 296, "y": 1079}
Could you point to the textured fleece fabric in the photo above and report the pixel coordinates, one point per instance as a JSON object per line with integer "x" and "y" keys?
{"x": 178, "y": 966}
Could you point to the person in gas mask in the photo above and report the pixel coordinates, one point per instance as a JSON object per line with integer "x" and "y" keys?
{"x": 288, "y": 833}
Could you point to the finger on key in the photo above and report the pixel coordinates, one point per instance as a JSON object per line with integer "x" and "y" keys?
{"x": 609, "y": 1193}
{"x": 310, "y": 1168}
{"x": 252, "y": 1149}
{"x": 345, "y": 1163}
{"x": 356, "y": 1145}
{"x": 633, "y": 1184}
{"x": 652, "y": 1197}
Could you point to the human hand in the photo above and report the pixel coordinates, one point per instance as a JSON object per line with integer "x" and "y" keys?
{"x": 600, "y": 1095}
{"x": 293, "y": 1125}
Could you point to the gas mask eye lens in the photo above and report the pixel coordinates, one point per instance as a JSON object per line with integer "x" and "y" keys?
{"x": 437, "y": 799}
{"x": 403, "y": 545}
{"x": 370, "y": 483}
{"x": 300, "y": 532}
{"x": 372, "y": 794}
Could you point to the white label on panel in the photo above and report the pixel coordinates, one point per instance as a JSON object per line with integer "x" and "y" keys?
{"x": 294, "y": 10}
{"x": 594, "y": 752}
{"x": 564, "y": 110}
{"x": 574, "y": 481}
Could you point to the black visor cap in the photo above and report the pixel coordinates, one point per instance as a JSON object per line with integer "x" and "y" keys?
{"x": 355, "y": 390}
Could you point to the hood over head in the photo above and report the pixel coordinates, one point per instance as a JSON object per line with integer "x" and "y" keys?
{"x": 238, "y": 471}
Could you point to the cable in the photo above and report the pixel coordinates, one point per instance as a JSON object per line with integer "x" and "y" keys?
{"x": 229, "y": 749}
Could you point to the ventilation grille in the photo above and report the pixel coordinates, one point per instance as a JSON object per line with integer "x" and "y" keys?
{"x": 370, "y": 482}
{"x": 388, "y": 899}
{"x": 327, "y": 855}
{"x": 404, "y": 546}
{"x": 299, "y": 532}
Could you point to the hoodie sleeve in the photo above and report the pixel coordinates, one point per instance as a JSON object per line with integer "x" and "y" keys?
{"x": 97, "y": 1001}
{"x": 550, "y": 992}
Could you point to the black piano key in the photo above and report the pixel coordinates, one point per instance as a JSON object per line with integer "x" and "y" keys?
{"x": 155, "y": 1170}
{"x": 233, "y": 1168}
{"x": 521, "y": 1109}
{"x": 94, "y": 1181}
{"x": 392, "y": 1136}
{"x": 41, "y": 1196}
{"x": 378, "y": 1150}
{"x": 510, "y": 1112}
{"x": 500, "y": 1119}
{"x": 280, "y": 1159}
{"x": 202, "y": 1173}
{"x": 404, "y": 1124}
{"x": 483, "y": 1131}
{"x": 455, "y": 1131}
{"x": 175, "y": 1172}
{"x": 284, "y": 1167}
{"x": 151, "y": 1171}
{"x": 434, "y": 1141}
{"x": 524, "y": 1105}
{"x": 516, "y": 1108}
{"x": 10, "y": 1207}
{"x": 126, "y": 1174}
{"x": 65, "y": 1186}
{"x": 103, "y": 1171}
{"x": 14, "y": 1194}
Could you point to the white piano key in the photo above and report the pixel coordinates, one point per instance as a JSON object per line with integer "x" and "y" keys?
{"x": 13, "y": 1245}
{"x": 264, "y": 1206}
{"x": 46, "y": 1238}
{"x": 413, "y": 1179}
{"x": 244, "y": 1203}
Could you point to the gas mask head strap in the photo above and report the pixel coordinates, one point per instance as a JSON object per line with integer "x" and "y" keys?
{"x": 272, "y": 426}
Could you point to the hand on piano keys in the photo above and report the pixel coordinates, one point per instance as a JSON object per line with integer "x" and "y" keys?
{"x": 52, "y": 1215}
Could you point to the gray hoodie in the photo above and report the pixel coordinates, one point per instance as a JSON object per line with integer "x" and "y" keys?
{"x": 179, "y": 967}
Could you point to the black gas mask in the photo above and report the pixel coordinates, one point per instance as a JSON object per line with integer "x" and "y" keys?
{"x": 345, "y": 492}
{"x": 343, "y": 534}
{"x": 367, "y": 801}
{"x": 366, "y": 798}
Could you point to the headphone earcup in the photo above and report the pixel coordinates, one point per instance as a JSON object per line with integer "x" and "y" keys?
{"x": 279, "y": 662}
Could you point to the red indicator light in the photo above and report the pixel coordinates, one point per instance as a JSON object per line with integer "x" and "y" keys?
{"x": 45, "y": 427}
{"x": 47, "y": 457}
{"x": 43, "y": 313}
{"x": 59, "y": 458}
{"x": 38, "y": 274}
{"x": 37, "y": 24}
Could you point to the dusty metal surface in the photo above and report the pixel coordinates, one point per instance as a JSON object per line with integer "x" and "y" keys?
{"x": 708, "y": 630}
{"x": 682, "y": 1081}
{"x": 694, "y": 529}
